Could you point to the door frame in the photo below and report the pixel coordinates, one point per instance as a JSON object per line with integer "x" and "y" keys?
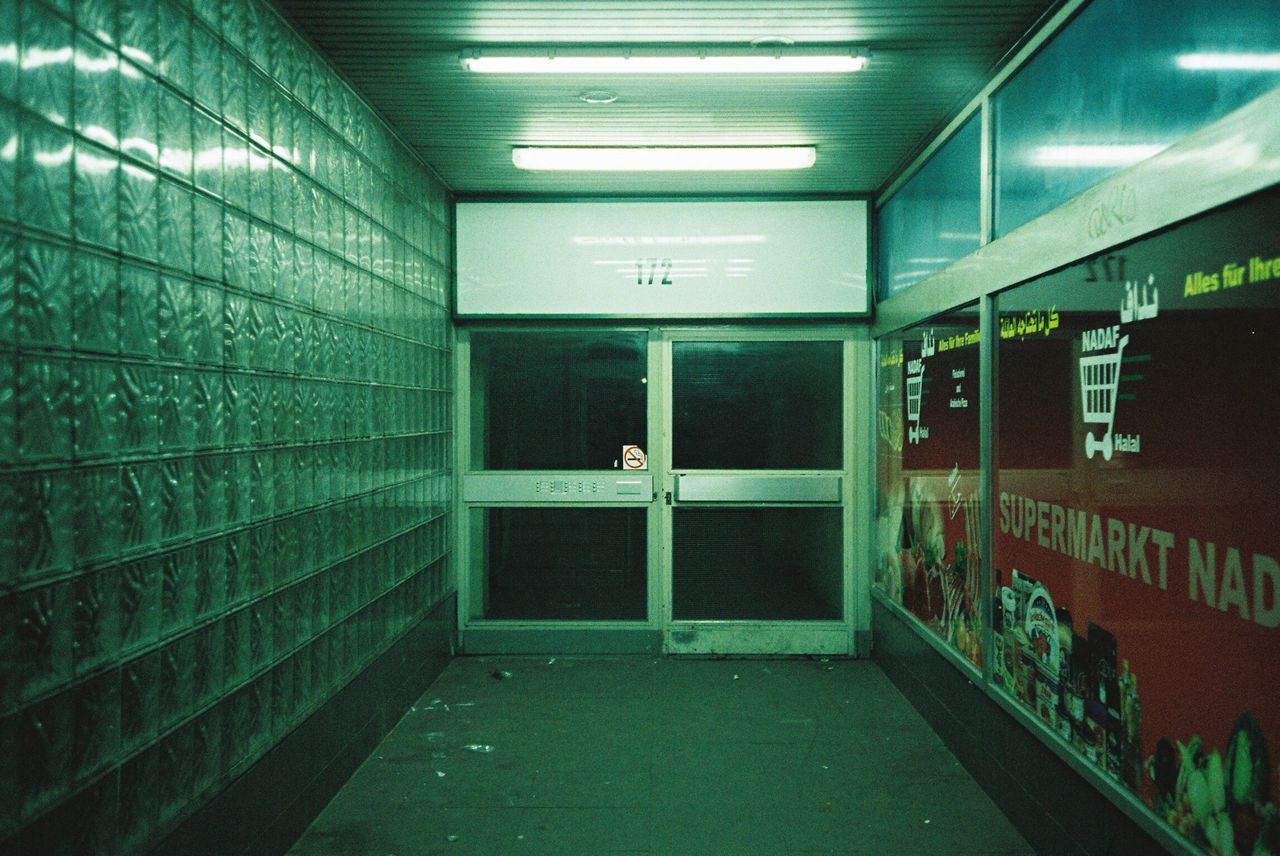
{"x": 851, "y": 635}
{"x": 761, "y": 637}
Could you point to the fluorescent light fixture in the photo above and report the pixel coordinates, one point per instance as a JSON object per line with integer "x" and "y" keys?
{"x": 1229, "y": 61}
{"x": 630, "y": 60}
{"x": 692, "y": 159}
{"x": 1094, "y": 155}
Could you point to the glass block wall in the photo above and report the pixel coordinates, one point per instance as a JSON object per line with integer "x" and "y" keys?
{"x": 224, "y": 404}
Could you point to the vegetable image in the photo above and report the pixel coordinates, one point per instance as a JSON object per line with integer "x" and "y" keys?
{"x": 1248, "y": 763}
{"x": 1164, "y": 768}
{"x": 1217, "y": 785}
{"x": 1268, "y": 840}
{"x": 1198, "y": 794}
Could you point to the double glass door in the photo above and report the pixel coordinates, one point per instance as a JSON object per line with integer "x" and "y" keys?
{"x": 691, "y": 485}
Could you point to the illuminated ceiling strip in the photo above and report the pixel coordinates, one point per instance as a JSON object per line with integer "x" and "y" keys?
{"x": 1229, "y": 61}
{"x": 1102, "y": 155}
{"x": 633, "y": 61}
{"x": 696, "y": 159}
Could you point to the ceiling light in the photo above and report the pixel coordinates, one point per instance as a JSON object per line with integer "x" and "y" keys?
{"x": 598, "y": 96}
{"x": 1229, "y": 61}
{"x": 1094, "y": 155}
{"x": 666, "y": 159}
{"x": 772, "y": 60}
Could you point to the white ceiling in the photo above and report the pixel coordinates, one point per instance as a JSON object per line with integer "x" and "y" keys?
{"x": 928, "y": 58}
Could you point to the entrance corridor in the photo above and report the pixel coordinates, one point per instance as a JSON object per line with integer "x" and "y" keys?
{"x": 602, "y": 755}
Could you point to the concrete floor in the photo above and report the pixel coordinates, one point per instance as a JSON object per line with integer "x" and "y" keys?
{"x": 599, "y": 755}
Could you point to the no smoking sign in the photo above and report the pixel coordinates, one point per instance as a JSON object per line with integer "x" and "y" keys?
{"x": 634, "y": 458}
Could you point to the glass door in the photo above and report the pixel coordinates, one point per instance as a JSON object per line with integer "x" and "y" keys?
{"x": 756, "y": 490}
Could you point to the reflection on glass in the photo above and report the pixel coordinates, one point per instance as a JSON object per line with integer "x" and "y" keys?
{"x": 756, "y": 405}
{"x": 933, "y": 219}
{"x": 928, "y": 478}
{"x": 567, "y": 401}
{"x": 756, "y": 564}
{"x": 564, "y": 563}
{"x": 1081, "y": 110}
{"x": 1137, "y": 558}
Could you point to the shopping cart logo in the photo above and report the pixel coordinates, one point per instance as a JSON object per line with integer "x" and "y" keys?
{"x": 1099, "y": 380}
{"x": 915, "y": 394}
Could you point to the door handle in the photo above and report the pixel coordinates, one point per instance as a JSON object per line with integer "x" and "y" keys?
{"x": 667, "y": 496}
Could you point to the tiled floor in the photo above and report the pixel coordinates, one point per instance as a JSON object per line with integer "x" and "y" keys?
{"x": 598, "y": 755}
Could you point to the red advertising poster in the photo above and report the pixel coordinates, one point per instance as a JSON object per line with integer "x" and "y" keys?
{"x": 1137, "y": 590}
{"x": 927, "y": 469}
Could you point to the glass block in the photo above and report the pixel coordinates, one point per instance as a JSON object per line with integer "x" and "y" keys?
{"x": 139, "y": 593}
{"x": 206, "y": 749}
{"x": 98, "y": 407}
{"x": 138, "y": 388}
{"x": 139, "y": 212}
{"x": 99, "y": 18}
{"x": 304, "y": 273}
{"x": 177, "y": 155}
{"x": 97, "y": 196}
{"x": 211, "y": 578}
{"x": 44, "y": 759}
{"x": 258, "y": 715}
{"x": 8, "y": 429}
{"x": 139, "y": 702}
{"x": 261, "y": 420}
{"x": 87, "y": 822}
{"x": 284, "y": 703}
{"x": 208, "y": 411}
{"x": 96, "y": 612}
{"x": 173, "y": 54}
{"x": 139, "y": 504}
{"x": 239, "y": 159}
{"x": 258, "y": 272}
{"x": 262, "y": 559}
{"x": 176, "y": 217}
{"x": 97, "y": 93}
{"x": 237, "y": 661}
{"x": 210, "y": 492}
{"x": 95, "y": 723}
{"x": 96, "y": 302}
{"x": 139, "y": 310}
{"x": 233, "y": 19}
{"x": 42, "y": 633}
{"x": 284, "y": 485}
{"x": 236, "y": 249}
{"x": 98, "y": 519}
{"x": 8, "y": 286}
{"x": 258, "y": 108}
{"x": 206, "y": 324}
{"x": 138, "y": 801}
{"x": 139, "y": 36}
{"x": 177, "y": 516}
{"x": 139, "y": 115}
{"x": 46, "y": 55}
{"x": 209, "y": 155}
{"x": 206, "y": 70}
{"x": 237, "y": 470}
{"x": 44, "y": 408}
{"x": 177, "y": 305}
{"x": 176, "y": 681}
{"x": 233, "y": 91}
{"x": 9, "y": 52}
{"x": 259, "y": 25}
{"x": 208, "y": 239}
{"x": 43, "y": 294}
{"x": 260, "y": 633}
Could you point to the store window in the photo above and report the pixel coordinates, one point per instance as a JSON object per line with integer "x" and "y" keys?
{"x": 927, "y": 449}
{"x": 1136, "y": 578}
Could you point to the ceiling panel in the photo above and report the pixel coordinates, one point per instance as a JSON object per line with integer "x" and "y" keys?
{"x": 928, "y": 57}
